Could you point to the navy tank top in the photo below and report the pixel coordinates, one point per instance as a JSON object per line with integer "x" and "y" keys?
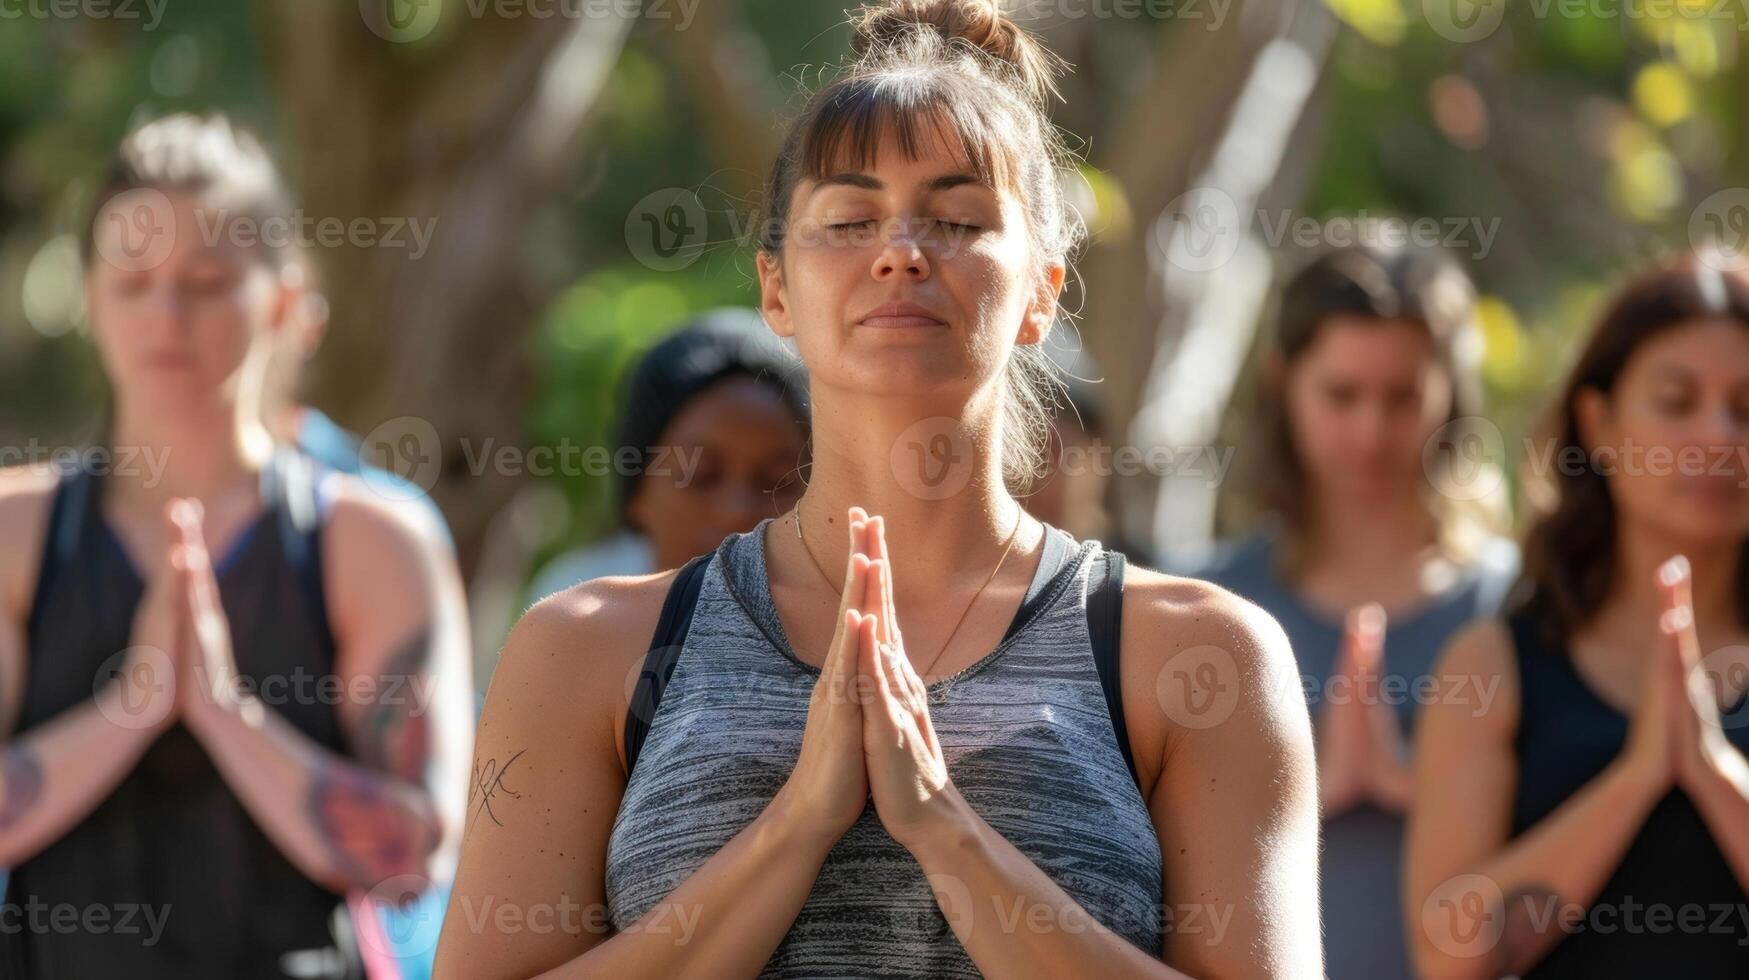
{"x": 1672, "y": 907}
{"x": 172, "y": 845}
{"x": 1026, "y": 732}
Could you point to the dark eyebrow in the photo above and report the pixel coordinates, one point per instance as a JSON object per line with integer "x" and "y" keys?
{"x": 866, "y": 182}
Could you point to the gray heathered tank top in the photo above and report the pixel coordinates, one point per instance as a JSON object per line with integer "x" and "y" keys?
{"x": 1028, "y": 741}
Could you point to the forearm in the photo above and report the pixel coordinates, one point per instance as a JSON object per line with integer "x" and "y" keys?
{"x": 728, "y": 917}
{"x": 1722, "y": 797}
{"x": 1561, "y": 862}
{"x": 996, "y": 889}
{"x": 342, "y": 824}
{"x": 53, "y": 776}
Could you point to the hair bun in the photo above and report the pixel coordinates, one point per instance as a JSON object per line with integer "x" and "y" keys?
{"x": 980, "y": 23}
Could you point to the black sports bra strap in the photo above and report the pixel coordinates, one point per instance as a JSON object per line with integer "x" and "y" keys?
{"x": 1104, "y": 626}
{"x": 664, "y": 653}
{"x": 68, "y": 513}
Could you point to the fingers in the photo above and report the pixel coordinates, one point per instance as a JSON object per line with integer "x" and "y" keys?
{"x": 889, "y": 610}
{"x": 841, "y": 659}
{"x": 1676, "y": 583}
{"x": 868, "y": 658}
{"x": 1366, "y": 636}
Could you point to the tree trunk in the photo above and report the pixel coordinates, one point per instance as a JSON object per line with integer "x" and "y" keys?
{"x": 466, "y": 132}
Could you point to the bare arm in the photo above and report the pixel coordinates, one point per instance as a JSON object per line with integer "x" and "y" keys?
{"x": 548, "y": 779}
{"x": 1475, "y": 897}
{"x": 392, "y": 806}
{"x": 1233, "y": 805}
{"x": 55, "y": 774}
{"x": 1236, "y": 793}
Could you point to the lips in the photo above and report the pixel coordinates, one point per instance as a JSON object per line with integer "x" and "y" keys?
{"x": 900, "y": 315}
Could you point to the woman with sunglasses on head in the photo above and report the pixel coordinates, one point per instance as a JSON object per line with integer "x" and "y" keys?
{"x": 237, "y": 689}
{"x": 883, "y": 746}
{"x": 1593, "y": 821}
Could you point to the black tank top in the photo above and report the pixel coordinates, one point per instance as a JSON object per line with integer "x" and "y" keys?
{"x": 173, "y": 839}
{"x": 1672, "y": 907}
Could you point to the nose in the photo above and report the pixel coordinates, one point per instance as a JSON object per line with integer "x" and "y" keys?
{"x": 901, "y": 255}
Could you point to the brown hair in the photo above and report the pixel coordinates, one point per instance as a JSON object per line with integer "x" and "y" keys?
{"x": 1569, "y": 553}
{"x": 1376, "y": 282}
{"x": 224, "y": 164}
{"x": 965, "y": 64}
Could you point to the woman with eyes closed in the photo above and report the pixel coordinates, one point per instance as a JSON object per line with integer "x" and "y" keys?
{"x": 884, "y": 747}
{"x": 233, "y": 688}
{"x": 1594, "y": 820}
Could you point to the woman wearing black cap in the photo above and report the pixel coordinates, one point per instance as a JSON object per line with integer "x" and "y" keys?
{"x": 826, "y": 786}
{"x": 711, "y": 432}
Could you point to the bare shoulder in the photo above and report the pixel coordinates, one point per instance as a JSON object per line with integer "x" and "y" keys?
{"x": 581, "y": 648}
{"x": 1170, "y": 617}
{"x": 1183, "y": 613}
{"x": 26, "y": 496}
{"x": 1199, "y": 660}
{"x": 362, "y": 523}
{"x": 1480, "y": 658}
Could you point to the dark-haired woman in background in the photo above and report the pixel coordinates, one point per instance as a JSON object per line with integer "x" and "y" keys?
{"x": 1373, "y": 352}
{"x": 715, "y": 417}
{"x": 1594, "y": 822}
{"x": 233, "y": 690}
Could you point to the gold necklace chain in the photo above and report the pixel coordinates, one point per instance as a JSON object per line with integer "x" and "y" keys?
{"x": 963, "y": 613}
